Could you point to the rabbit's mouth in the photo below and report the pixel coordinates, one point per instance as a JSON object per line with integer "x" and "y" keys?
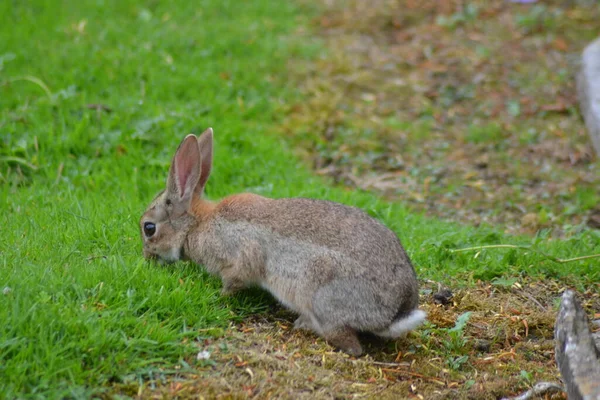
{"x": 167, "y": 257}
{"x": 149, "y": 255}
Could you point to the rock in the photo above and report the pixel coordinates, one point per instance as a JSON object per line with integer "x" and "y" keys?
{"x": 588, "y": 90}
{"x": 596, "y": 335}
{"x": 483, "y": 346}
{"x": 443, "y": 297}
{"x": 576, "y": 354}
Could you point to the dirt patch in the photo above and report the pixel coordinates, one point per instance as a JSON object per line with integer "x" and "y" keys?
{"x": 463, "y": 109}
{"x": 504, "y": 346}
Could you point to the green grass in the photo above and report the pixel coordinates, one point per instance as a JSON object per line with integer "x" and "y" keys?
{"x": 80, "y": 309}
{"x": 489, "y": 133}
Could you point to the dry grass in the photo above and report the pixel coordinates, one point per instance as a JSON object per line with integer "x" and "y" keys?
{"x": 464, "y": 109}
{"x": 507, "y": 345}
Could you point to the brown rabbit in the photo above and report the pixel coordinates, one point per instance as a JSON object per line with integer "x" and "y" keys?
{"x": 341, "y": 270}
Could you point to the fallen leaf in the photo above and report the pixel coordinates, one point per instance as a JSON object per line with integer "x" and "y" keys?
{"x": 555, "y": 107}
{"x": 560, "y": 44}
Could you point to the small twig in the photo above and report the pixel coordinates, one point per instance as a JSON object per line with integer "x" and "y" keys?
{"x": 492, "y": 246}
{"x": 512, "y": 246}
{"x": 533, "y": 299}
{"x": 439, "y": 285}
{"x": 539, "y": 389}
{"x": 386, "y": 364}
{"x": 578, "y": 258}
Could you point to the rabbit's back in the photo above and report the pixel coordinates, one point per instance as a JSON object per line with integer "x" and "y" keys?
{"x": 343, "y": 229}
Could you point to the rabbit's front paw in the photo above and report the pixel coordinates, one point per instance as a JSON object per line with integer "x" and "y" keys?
{"x": 231, "y": 286}
{"x": 304, "y": 322}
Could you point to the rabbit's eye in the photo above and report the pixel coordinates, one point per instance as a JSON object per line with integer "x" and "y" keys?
{"x": 149, "y": 229}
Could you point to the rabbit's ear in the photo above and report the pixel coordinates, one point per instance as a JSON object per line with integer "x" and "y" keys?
{"x": 205, "y": 145}
{"x": 184, "y": 174}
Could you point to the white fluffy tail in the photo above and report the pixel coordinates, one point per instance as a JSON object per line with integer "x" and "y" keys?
{"x": 400, "y": 327}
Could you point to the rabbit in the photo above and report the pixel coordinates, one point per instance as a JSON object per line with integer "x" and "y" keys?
{"x": 341, "y": 270}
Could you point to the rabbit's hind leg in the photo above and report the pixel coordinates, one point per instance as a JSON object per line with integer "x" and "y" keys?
{"x": 341, "y": 337}
{"x": 344, "y": 339}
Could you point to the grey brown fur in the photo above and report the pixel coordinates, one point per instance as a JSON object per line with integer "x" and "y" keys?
{"x": 337, "y": 267}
